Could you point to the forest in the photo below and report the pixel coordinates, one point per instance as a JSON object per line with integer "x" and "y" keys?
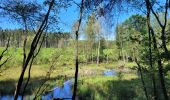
{"x": 84, "y": 50}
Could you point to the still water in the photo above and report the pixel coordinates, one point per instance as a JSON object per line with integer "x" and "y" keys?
{"x": 64, "y": 92}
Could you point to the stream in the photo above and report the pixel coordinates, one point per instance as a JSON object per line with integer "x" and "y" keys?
{"x": 64, "y": 92}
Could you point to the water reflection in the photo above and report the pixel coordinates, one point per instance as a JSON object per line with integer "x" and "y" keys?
{"x": 11, "y": 97}
{"x": 110, "y": 73}
{"x": 64, "y": 92}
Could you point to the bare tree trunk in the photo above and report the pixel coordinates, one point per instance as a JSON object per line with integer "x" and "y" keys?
{"x": 123, "y": 56}
{"x": 163, "y": 37}
{"x": 91, "y": 49}
{"x": 162, "y": 25}
{"x": 160, "y": 67}
{"x": 29, "y": 70}
{"x": 32, "y": 49}
{"x": 98, "y": 52}
{"x": 18, "y": 40}
{"x": 3, "y": 52}
{"x": 46, "y": 41}
{"x": 150, "y": 51}
{"x": 142, "y": 79}
{"x": 76, "y": 55}
{"x": 107, "y": 59}
{"x": 92, "y": 56}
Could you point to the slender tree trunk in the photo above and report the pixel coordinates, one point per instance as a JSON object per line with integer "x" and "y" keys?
{"x": 92, "y": 57}
{"x": 162, "y": 80}
{"x": 76, "y": 55}
{"x": 163, "y": 38}
{"x": 142, "y": 80}
{"x": 160, "y": 67}
{"x": 76, "y": 71}
{"x": 29, "y": 69}
{"x": 46, "y": 41}
{"x": 30, "y": 55}
{"x": 18, "y": 40}
{"x": 122, "y": 53}
{"x": 162, "y": 25}
{"x": 3, "y": 52}
{"x": 98, "y": 52}
{"x": 91, "y": 49}
{"x": 107, "y": 59}
{"x": 150, "y": 51}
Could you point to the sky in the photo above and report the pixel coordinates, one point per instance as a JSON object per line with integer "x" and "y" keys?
{"x": 67, "y": 18}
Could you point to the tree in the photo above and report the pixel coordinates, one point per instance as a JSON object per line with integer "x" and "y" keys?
{"x": 81, "y": 8}
{"x": 32, "y": 50}
{"x": 2, "y": 62}
{"x": 135, "y": 36}
{"x": 163, "y": 38}
{"x": 90, "y": 34}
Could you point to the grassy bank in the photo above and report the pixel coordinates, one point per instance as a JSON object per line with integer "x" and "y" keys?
{"x": 111, "y": 88}
{"x": 9, "y": 76}
{"x": 63, "y": 69}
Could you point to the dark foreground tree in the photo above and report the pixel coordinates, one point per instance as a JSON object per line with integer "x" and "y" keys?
{"x": 32, "y": 50}
{"x": 2, "y": 62}
{"x": 81, "y": 7}
{"x": 156, "y": 49}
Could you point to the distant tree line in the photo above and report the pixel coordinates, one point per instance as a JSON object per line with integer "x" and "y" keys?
{"x": 52, "y": 39}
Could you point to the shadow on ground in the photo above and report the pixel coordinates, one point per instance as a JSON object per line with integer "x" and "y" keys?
{"x": 7, "y": 87}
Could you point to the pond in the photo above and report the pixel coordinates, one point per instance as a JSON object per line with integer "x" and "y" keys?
{"x": 64, "y": 92}
{"x": 11, "y": 97}
{"x": 110, "y": 72}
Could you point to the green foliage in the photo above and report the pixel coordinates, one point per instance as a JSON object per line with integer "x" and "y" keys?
{"x": 67, "y": 57}
{"x": 45, "y": 56}
{"x": 130, "y": 35}
{"x": 15, "y": 55}
{"x": 111, "y": 53}
{"x": 120, "y": 75}
{"x": 110, "y": 88}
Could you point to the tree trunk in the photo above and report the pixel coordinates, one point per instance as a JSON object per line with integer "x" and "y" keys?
{"x": 142, "y": 80}
{"x": 91, "y": 56}
{"x": 107, "y": 59}
{"x": 123, "y": 56}
{"x": 76, "y": 55}
{"x": 76, "y": 71}
{"x": 150, "y": 51}
{"x": 98, "y": 52}
{"x": 163, "y": 38}
{"x": 46, "y": 41}
{"x": 18, "y": 40}
{"x": 160, "y": 67}
{"x": 31, "y": 53}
